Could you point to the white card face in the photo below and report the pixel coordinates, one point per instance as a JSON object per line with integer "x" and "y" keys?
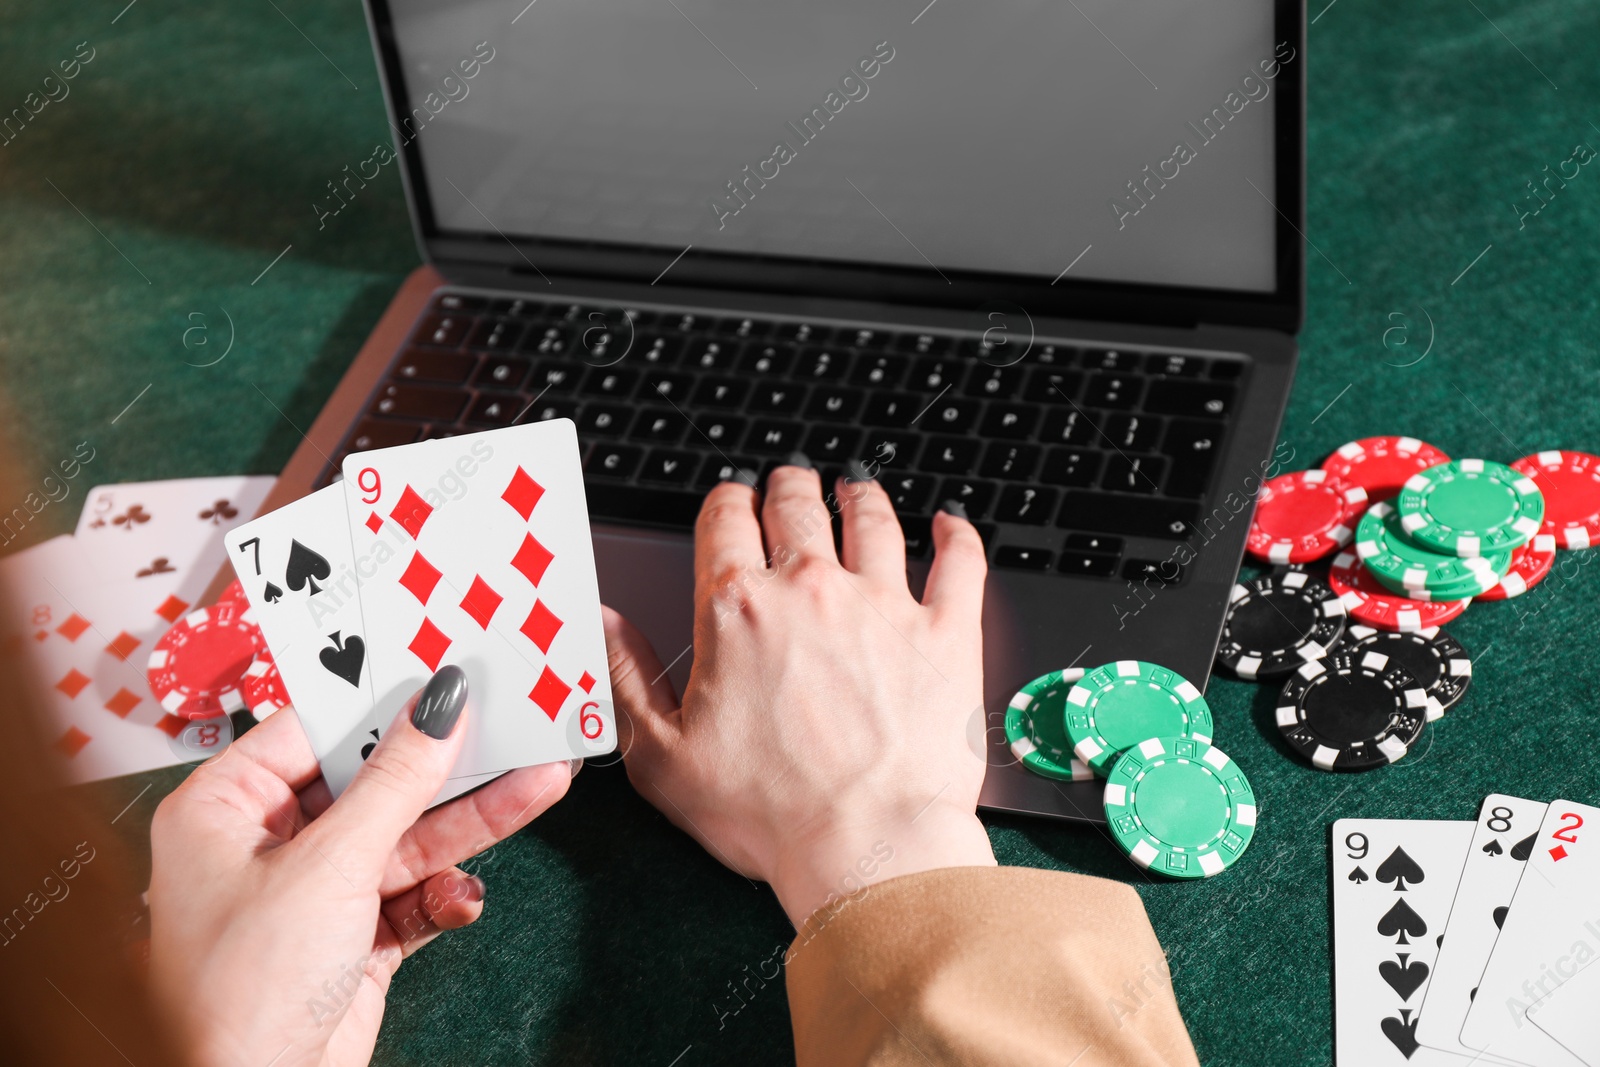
{"x": 297, "y": 568}
{"x": 1393, "y": 880}
{"x": 1505, "y": 834}
{"x": 476, "y": 551}
{"x": 1552, "y": 930}
{"x": 170, "y": 531}
{"x": 1569, "y": 1015}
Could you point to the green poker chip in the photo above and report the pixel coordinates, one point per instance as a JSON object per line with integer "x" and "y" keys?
{"x": 1120, "y": 704}
{"x": 1470, "y": 507}
{"x": 1179, "y": 807}
{"x": 1036, "y": 730}
{"x": 1403, "y": 565}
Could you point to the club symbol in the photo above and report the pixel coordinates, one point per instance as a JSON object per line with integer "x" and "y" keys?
{"x": 134, "y": 516}
{"x": 159, "y": 565}
{"x": 219, "y": 512}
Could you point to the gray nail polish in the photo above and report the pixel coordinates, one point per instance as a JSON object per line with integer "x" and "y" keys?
{"x": 441, "y": 702}
{"x": 798, "y": 459}
{"x": 954, "y": 507}
{"x": 575, "y": 765}
{"x": 746, "y": 477}
{"x": 855, "y": 471}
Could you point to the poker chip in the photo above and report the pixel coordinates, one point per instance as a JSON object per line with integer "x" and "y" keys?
{"x": 1470, "y": 507}
{"x": 1303, "y": 516}
{"x": 1570, "y": 484}
{"x": 1352, "y": 711}
{"x": 1036, "y": 730}
{"x": 235, "y": 593}
{"x": 1529, "y": 565}
{"x": 1369, "y": 601}
{"x": 1381, "y": 465}
{"x": 1179, "y": 807}
{"x": 1435, "y": 659}
{"x": 263, "y": 688}
{"x": 1277, "y": 622}
{"x": 196, "y": 667}
{"x": 1402, "y": 565}
{"x": 1120, "y": 704}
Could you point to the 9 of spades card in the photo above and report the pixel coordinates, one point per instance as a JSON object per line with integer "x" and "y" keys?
{"x": 1393, "y": 880}
{"x": 481, "y": 557}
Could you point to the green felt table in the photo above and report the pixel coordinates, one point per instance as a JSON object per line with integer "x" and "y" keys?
{"x": 186, "y": 161}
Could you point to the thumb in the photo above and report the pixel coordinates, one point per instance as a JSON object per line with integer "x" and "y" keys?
{"x": 402, "y": 775}
{"x": 639, "y": 684}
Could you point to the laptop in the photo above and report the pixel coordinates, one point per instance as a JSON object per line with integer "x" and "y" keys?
{"x": 1041, "y": 259}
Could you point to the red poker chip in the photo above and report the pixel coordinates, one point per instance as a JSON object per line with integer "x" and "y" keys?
{"x": 1368, "y": 601}
{"x": 1381, "y": 465}
{"x": 235, "y": 593}
{"x": 1529, "y": 565}
{"x": 1570, "y": 482}
{"x": 196, "y": 668}
{"x": 264, "y": 691}
{"x": 1303, "y": 516}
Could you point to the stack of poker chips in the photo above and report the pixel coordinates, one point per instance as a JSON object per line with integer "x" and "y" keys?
{"x": 215, "y": 661}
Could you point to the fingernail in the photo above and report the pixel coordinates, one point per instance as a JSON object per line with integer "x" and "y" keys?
{"x": 855, "y": 471}
{"x": 954, "y": 507}
{"x": 575, "y": 765}
{"x": 441, "y": 702}
{"x": 798, "y": 459}
{"x": 475, "y": 887}
{"x": 746, "y": 477}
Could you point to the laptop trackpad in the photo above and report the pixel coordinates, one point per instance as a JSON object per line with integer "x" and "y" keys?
{"x": 649, "y": 578}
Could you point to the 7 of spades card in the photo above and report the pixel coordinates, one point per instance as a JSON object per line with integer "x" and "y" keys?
{"x": 1393, "y": 882}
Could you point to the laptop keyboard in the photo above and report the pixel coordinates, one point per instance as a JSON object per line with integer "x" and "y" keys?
{"x": 1061, "y": 458}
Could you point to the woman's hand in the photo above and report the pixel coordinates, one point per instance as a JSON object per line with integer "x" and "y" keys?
{"x": 278, "y": 915}
{"x": 831, "y": 734}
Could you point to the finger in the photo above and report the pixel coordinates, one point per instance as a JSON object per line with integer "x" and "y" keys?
{"x": 279, "y": 746}
{"x": 467, "y": 825}
{"x": 874, "y": 544}
{"x": 796, "y": 522}
{"x": 448, "y": 901}
{"x": 955, "y": 581}
{"x": 727, "y": 538}
{"x": 645, "y": 699}
{"x": 402, "y": 775}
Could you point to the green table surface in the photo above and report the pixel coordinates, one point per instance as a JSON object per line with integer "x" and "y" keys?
{"x": 186, "y": 159}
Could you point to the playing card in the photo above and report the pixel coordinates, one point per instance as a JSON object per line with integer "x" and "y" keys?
{"x": 1551, "y": 931}
{"x": 1501, "y": 842}
{"x": 1568, "y": 1014}
{"x": 169, "y": 531}
{"x": 476, "y": 551}
{"x": 1393, "y": 880}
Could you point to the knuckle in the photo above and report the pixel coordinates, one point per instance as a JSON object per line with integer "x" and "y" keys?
{"x": 719, "y": 509}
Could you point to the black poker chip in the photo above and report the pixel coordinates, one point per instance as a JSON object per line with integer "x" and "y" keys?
{"x": 1277, "y": 622}
{"x": 1436, "y": 659}
{"x": 1352, "y": 711}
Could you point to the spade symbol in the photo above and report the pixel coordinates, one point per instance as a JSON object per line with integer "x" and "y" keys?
{"x": 1400, "y": 868}
{"x": 1524, "y": 848}
{"x": 1500, "y": 916}
{"x": 271, "y": 594}
{"x": 1493, "y": 847}
{"x": 1358, "y": 876}
{"x": 305, "y": 565}
{"x": 1404, "y": 978}
{"x": 1402, "y": 1031}
{"x": 344, "y": 659}
{"x": 366, "y": 749}
{"x": 1472, "y": 994}
{"x": 1401, "y": 920}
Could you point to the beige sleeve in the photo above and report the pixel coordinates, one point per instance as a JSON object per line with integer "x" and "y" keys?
{"x": 984, "y": 966}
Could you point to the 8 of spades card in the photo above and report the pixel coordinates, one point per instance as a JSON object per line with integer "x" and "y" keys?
{"x": 1393, "y": 881}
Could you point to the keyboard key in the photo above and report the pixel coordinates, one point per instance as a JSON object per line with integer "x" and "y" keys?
{"x": 1023, "y": 559}
{"x": 1132, "y": 433}
{"x": 1112, "y": 359}
{"x": 1053, "y": 354}
{"x": 831, "y": 444}
{"x": 1050, "y": 385}
{"x": 494, "y": 409}
{"x": 1192, "y": 447}
{"x": 924, "y": 344}
{"x": 975, "y": 495}
{"x": 723, "y": 431}
{"x": 918, "y": 531}
{"x": 774, "y": 437}
{"x": 496, "y": 335}
{"x": 879, "y": 371}
{"x": 418, "y": 402}
{"x": 665, "y": 384}
{"x": 549, "y": 341}
{"x": 1227, "y": 370}
{"x": 896, "y": 448}
{"x": 459, "y": 302}
{"x": 546, "y": 408}
{"x": 717, "y": 469}
{"x": 1087, "y": 564}
{"x": 951, "y": 455}
{"x": 1069, "y": 426}
{"x": 768, "y": 361}
{"x": 1079, "y": 542}
{"x": 610, "y": 382}
{"x": 555, "y": 376}
{"x": 821, "y": 364}
{"x": 604, "y": 420}
{"x": 950, "y": 416}
{"x": 908, "y": 492}
{"x": 893, "y": 410}
{"x": 669, "y": 466}
{"x": 744, "y": 329}
{"x": 423, "y": 365}
{"x": 1205, "y": 400}
{"x": 663, "y": 426}
{"x": 377, "y": 433}
{"x": 505, "y": 373}
{"x": 1076, "y": 467}
{"x": 599, "y": 345}
{"x": 656, "y": 350}
{"x": 933, "y": 375}
{"x": 1107, "y": 390}
{"x": 1009, "y": 421}
{"x": 726, "y": 394}
{"x": 868, "y": 339}
{"x": 442, "y": 331}
{"x": 835, "y": 403}
{"x": 994, "y": 383}
{"x": 710, "y": 355}
{"x": 1133, "y": 515}
{"x": 1134, "y": 474}
{"x": 804, "y": 333}
{"x": 613, "y": 461}
{"x": 520, "y": 308}
{"x": 688, "y": 322}
{"x": 1025, "y": 504}
{"x": 1175, "y": 366}
{"x": 1161, "y": 571}
{"x": 642, "y": 505}
{"x": 1012, "y": 462}
{"x": 777, "y": 399}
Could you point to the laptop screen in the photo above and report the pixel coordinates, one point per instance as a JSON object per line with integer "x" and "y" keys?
{"x": 1113, "y": 140}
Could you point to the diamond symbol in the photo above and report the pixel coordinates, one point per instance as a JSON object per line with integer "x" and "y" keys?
{"x": 123, "y": 645}
{"x": 73, "y": 628}
{"x": 523, "y": 493}
{"x": 122, "y": 702}
{"x": 172, "y": 725}
{"x": 420, "y": 578}
{"x": 532, "y": 559}
{"x": 411, "y": 512}
{"x": 1559, "y": 852}
{"x": 481, "y": 602}
{"x": 429, "y": 645}
{"x": 73, "y": 682}
{"x": 172, "y": 609}
{"x": 549, "y": 693}
{"x": 541, "y": 626}
{"x": 374, "y": 522}
{"x": 586, "y": 683}
{"x": 71, "y": 743}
